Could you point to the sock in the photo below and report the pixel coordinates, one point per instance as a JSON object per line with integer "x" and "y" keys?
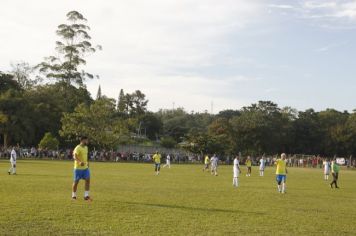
{"x": 284, "y": 188}
{"x": 237, "y": 182}
{"x": 86, "y": 194}
{"x": 279, "y": 188}
{"x": 74, "y": 194}
{"x": 14, "y": 170}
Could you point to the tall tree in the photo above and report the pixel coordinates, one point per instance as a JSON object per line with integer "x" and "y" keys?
{"x": 98, "y": 94}
{"x": 73, "y": 46}
{"x": 121, "y": 103}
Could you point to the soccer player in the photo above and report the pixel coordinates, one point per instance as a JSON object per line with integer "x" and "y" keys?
{"x": 157, "y": 160}
{"x": 248, "y": 165}
{"x": 262, "y": 166}
{"x": 237, "y": 171}
{"x": 214, "y": 165}
{"x": 335, "y": 169}
{"x": 13, "y": 157}
{"x": 281, "y": 173}
{"x": 206, "y": 163}
{"x": 81, "y": 168}
{"x": 168, "y": 161}
{"x": 327, "y": 167}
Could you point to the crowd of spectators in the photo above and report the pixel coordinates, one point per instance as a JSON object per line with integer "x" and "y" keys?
{"x": 132, "y": 156}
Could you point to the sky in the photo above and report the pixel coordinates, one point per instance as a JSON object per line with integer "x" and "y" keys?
{"x": 201, "y": 54}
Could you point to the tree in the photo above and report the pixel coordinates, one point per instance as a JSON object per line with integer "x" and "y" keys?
{"x": 7, "y": 82}
{"x": 136, "y": 103}
{"x": 73, "y": 46}
{"x": 151, "y": 125}
{"x": 168, "y": 142}
{"x": 48, "y": 103}
{"x": 22, "y": 74}
{"x": 121, "y": 103}
{"x": 98, "y": 94}
{"x": 16, "y": 118}
{"x": 49, "y": 142}
{"x": 96, "y": 121}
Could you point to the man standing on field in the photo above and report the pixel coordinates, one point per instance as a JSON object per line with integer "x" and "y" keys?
{"x": 206, "y": 163}
{"x": 281, "y": 173}
{"x": 237, "y": 171}
{"x": 157, "y": 160}
{"x": 81, "y": 168}
{"x": 249, "y": 166}
{"x": 13, "y": 157}
{"x": 262, "y": 166}
{"x": 168, "y": 162}
{"x": 335, "y": 169}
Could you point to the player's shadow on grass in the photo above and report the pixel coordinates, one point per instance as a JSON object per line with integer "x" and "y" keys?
{"x": 193, "y": 208}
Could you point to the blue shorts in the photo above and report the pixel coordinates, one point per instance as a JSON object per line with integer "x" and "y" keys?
{"x": 81, "y": 174}
{"x": 157, "y": 165}
{"x": 281, "y": 178}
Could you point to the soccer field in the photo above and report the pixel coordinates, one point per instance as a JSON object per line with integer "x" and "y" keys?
{"x": 183, "y": 200}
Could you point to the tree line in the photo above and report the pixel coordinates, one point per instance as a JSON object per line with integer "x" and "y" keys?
{"x": 48, "y": 105}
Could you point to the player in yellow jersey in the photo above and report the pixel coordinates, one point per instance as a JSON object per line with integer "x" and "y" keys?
{"x": 81, "y": 168}
{"x": 248, "y": 165}
{"x": 281, "y": 173}
{"x": 157, "y": 160}
{"x": 206, "y": 163}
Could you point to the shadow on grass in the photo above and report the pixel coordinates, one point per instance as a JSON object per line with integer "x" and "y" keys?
{"x": 43, "y": 175}
{"x": 193, "y": 208}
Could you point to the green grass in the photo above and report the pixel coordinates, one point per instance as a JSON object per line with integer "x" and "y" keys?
{"x": 130, "y": 200}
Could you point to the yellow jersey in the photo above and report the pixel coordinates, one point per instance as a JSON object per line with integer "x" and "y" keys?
{"x": 81, "y": 153}
{"x": 281, "y": 167}
{"x": 157, "y": 158}
{"x": 248, "y": 163}
{"x": 207, "y": 160}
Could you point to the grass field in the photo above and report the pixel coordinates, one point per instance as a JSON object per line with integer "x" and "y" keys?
{"x": 130, "y": 200}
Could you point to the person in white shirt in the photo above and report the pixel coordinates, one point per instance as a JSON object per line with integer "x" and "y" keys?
{"x": 168, "y": 162}
{"x": 214, "y": 165}
{"x": 327, "y": 168}
{"x": 262, "y": 165}
{"x": 13, "y": 157}
{"x": 237, "y": 171}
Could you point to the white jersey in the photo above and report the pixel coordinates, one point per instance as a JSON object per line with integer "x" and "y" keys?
{"x": 168, "y": 159}
{"x": 236, "y": 168}
{"x": 326, "y": 167}
{"x": 13, "y": 156}
{"x": 262, "y": 164}
{"x": 214, "y": 161}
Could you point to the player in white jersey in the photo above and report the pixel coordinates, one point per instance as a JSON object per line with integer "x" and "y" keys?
{"x": 13, "y": 157}
{"x": 237, "y": 171}
{"x": 214, "y": 165}
{"x": 262, "y": 165}
{"x": 168, "y": 162}
{"x": 327, "y": 167}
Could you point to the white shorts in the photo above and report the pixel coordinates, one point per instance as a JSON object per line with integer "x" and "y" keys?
{"x": 236, "y": 173}
{"x": 262, "y": 168}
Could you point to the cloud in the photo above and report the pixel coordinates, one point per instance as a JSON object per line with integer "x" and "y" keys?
{"x": 331, "y": 46}
{"x": 281, "y": 6}
{"x": 326, "y": 14}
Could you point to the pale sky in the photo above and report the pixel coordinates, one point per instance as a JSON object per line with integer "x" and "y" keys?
{"x": 230, "y": 52}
